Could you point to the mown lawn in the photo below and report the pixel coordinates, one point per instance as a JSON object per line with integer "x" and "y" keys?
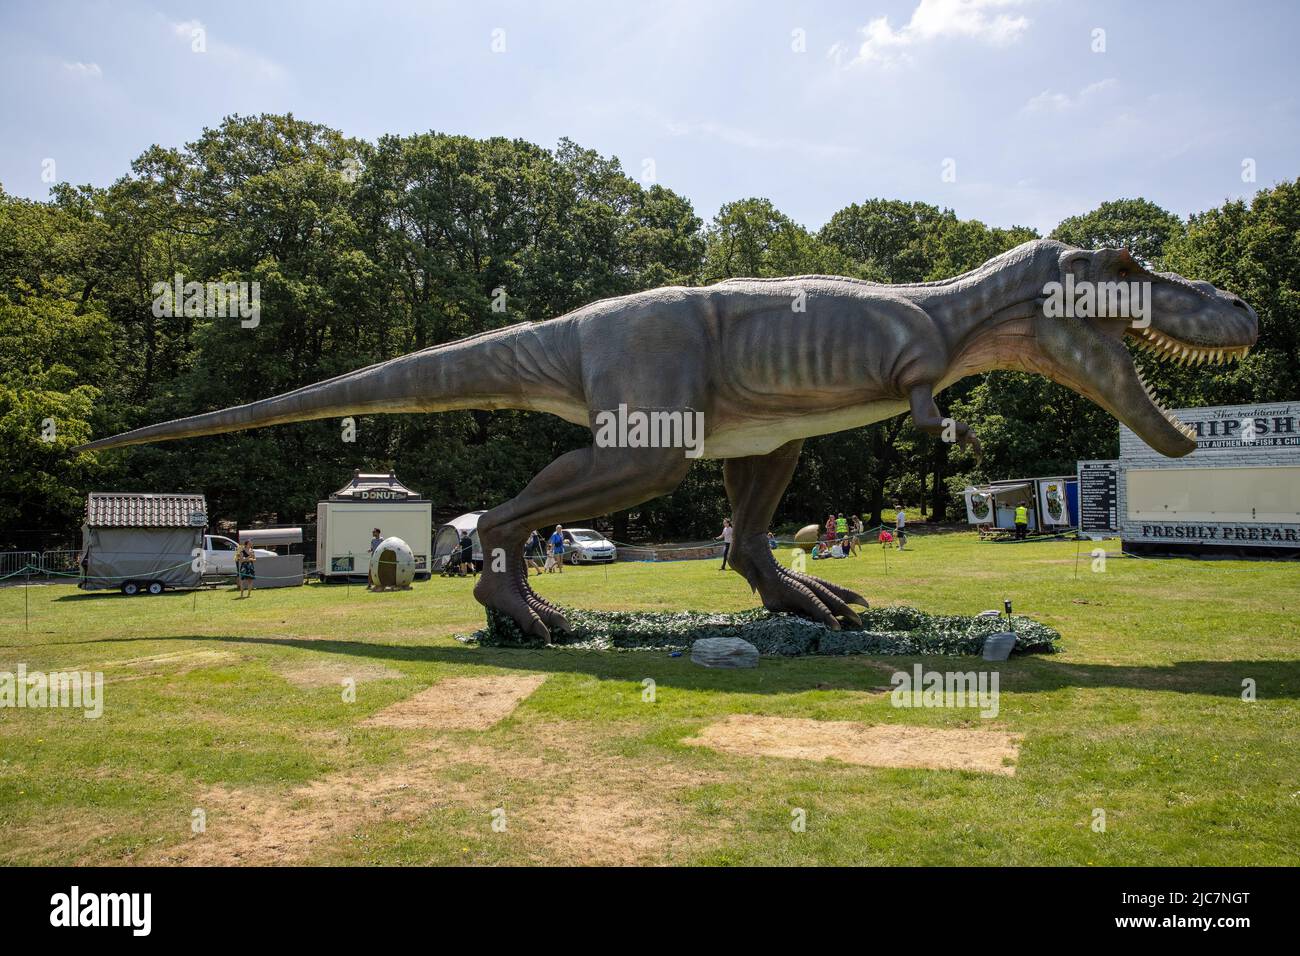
{"x": 236, "y": 709}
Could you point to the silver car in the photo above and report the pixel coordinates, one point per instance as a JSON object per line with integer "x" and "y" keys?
{"x": 584, "y": 546}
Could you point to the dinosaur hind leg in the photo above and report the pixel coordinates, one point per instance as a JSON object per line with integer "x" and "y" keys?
{"x": 589, "y": 481}
{"x": 754, "y": 488}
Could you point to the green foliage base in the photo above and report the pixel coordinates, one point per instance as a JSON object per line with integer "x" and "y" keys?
{"x": 886, "y": 630}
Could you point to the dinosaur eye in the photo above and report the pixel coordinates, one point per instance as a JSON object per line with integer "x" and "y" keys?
{"x": 1123, "y": 273}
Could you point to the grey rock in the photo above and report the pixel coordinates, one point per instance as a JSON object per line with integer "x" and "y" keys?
{"x": 724, "y": 652}
{"x": 998, "y": 647}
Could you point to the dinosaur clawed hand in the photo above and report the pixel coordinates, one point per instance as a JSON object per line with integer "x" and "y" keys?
{"x": 963, "y": 434}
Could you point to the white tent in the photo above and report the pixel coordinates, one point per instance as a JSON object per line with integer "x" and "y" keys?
{"x": 447, "y": 539}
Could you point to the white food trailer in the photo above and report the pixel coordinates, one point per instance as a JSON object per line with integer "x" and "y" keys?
{"x": 345, "y": 521}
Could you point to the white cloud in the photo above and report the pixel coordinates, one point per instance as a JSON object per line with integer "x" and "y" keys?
{"x": 981, "y": 20}
{"x": 1051, "y": 102}
{"x": 246, "y": 61}
{"x": 83, "y": 69}
{"x": 749, "y": 140}
{"x": 186, "y": 28}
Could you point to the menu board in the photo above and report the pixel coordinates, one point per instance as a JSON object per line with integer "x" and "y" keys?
{"x": 1098, "y": 497}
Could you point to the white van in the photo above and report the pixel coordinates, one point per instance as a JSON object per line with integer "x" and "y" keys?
{"x": 219, "y": 554}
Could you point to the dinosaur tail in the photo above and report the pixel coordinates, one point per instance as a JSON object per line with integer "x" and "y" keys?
{"x": 482, "y": 371}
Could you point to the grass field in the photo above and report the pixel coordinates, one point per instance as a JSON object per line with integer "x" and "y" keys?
{"x": 232, "y": 713}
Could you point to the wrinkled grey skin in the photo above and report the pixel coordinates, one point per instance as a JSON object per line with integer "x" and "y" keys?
{"x": 769, "y": 362}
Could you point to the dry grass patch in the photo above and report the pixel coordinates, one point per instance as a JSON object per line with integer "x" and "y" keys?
{"x": 566, "y": 803}
{"x": 459, "y": 703}
{"x": 332, "y": 673}
{"x": 881, "y": 745}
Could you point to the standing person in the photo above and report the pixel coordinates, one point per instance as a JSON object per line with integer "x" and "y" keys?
{"x": 533, "y": 553}
{"x": 830, "y": 527}
{"x": 855, "y": 532}
{"x": 557, "y": 548}
{"x": 377, "y": 538}
{"x": 842, "y": 529}
{"x": 725, "y": 538}
{"x": 465, "y": 554}
{"x": 244, "y": 558}
{"x": 1022, "y": 522}
{"x": 900, "y": 525}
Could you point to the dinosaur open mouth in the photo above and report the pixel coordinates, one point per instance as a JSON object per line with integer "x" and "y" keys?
{"x": 1167, "y": 348}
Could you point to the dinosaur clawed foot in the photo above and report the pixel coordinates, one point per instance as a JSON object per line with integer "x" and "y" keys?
{"x": 508, "y": 592}
{"x": 811, "y": 597}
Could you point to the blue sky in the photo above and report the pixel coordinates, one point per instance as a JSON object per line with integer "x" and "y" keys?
{"x": 813, "y": 105}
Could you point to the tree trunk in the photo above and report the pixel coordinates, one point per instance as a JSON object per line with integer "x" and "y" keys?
{"x": 939, "y": 493}
{"x": 878, "y": 484}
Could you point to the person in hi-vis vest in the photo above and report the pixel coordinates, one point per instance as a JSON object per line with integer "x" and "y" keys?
{"x": 1022, "y": 521}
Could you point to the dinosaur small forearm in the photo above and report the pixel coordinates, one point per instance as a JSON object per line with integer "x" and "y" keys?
{"x": 927, "y": 418}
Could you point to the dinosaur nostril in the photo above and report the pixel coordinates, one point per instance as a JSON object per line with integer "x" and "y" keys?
{"x": 1239, "y": 304}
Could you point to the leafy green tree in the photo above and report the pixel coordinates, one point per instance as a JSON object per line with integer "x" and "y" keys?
{"x": 48, "y": 353}
{"x": 1138, "y": 225}
{"x": 1254, "y": 251}
{"x": 887, "y": 239}
{"x": 751, "y": 238}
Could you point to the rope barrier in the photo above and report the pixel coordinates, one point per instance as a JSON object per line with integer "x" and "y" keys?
{"x": 142, "y": 576}
{"x": 858, "y": 536}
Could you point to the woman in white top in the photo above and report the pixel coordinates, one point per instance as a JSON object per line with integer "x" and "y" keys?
{"x": 725, "y": 538}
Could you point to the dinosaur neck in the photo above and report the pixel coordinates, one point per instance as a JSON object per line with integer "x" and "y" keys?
{"x": 986, "y": 316}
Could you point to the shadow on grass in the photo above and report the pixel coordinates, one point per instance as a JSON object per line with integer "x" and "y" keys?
{"x": 783, "y": 675}
{"x": 110, "y": 594}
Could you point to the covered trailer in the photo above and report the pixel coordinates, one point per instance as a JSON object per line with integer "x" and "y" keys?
{"x": 1051, "y": 504}
{"x": 142, "y": 542}
{"x": 345, "y": 521}
{"x": 281, "y": 569}
{"x": 448, "y": 539}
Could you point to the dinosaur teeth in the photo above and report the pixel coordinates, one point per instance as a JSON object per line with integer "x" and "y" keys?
{"x": 1165, "y": 347}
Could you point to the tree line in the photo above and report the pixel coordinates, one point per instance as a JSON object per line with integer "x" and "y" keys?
{"x": 363, "y": 251}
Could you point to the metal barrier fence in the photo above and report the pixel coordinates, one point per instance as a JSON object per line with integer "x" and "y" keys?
{"x": 11, "y": 562}
{"x": 59, "y": 561}
{"x": 37, "y": 564}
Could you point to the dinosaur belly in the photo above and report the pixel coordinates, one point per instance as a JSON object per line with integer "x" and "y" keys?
{"x": 741, "y": 439}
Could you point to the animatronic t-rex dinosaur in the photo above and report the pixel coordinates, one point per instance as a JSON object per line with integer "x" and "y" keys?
{"x": 768, "y": 363}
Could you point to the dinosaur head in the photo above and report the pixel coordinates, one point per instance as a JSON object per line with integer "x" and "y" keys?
{"x": 1103, "y": 298}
